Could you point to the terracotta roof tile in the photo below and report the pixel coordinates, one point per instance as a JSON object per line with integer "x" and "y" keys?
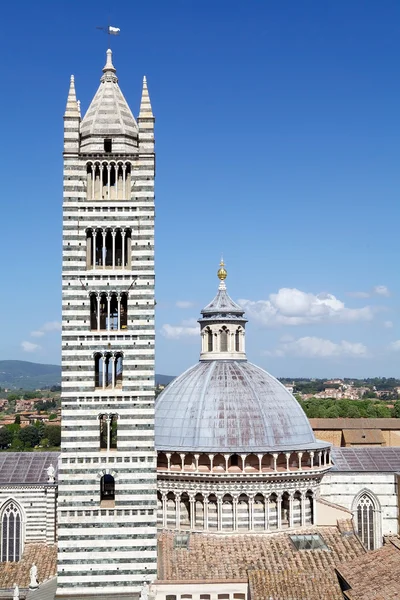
{"x": 44, "y": 557}
{"x": 374, "y": 575}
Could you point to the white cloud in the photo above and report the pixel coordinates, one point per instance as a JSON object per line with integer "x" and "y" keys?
{"x": 187, "y": 328}
{"x": 314, "y": 347}
{"x": 37, "y": 333}
{"x": 381, "y": 290}
{"x": 291, "y": 306}
{"x": 388, "y": 324}
{"x": 395, "y": 346}
{"x": 184, "y": 304}
{"x": 377, "y": 290}
{"x": 46, "y": 328}
{"x": 29, "y": 346}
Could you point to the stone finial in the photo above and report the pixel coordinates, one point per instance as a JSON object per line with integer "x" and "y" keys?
{"x": 109, "y": 64}
{"x": 16, "y": 592}
{"x": 109, "y": 70}
{"x": 33, "y": 584}
{"x": 72, "y": 109}
{"x": 145, "y": 112}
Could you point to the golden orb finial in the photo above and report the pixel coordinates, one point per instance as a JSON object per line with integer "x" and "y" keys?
{"x": 222, "y": 273}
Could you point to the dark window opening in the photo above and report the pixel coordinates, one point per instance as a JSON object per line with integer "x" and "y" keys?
{"x": 107, "y": 145}
{"x": 209, "y": 340}
{"x": 234, "y": 460}
{"x": 107, "y": 488}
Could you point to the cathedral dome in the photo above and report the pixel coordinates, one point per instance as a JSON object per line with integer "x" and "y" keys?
{"x": 230, "y": 406}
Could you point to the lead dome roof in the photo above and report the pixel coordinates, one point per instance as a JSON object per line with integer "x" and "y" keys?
{"x": 230, "y": 406}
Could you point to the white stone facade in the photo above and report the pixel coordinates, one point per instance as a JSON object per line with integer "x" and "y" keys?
{"x": 107, "y": 471}
{"x": 346, "y": 488}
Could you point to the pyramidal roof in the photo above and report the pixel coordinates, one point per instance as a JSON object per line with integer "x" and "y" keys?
{"x": 222, "y": 306}
{"x": 109, "y": 114}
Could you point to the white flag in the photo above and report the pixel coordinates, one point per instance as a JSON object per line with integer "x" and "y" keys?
{"x": 113, "y": 30}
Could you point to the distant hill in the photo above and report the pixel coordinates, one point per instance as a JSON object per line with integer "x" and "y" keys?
{"x": 164, "y": 379}
{"x": 16, "y": 374}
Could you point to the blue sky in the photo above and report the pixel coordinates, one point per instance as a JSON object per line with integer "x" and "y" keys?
{"x": 277, "y": 145}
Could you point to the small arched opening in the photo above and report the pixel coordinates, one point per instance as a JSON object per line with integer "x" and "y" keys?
{"x": 107, "y": 490}
{"x": 273, "y": 511}
{"x": 176, "y": 462}
{"x": 243, "y": 513}
{"x": 189, "y": 462}
{"x": 199, "y": 511}
{"x": 296, "y": 509}
{"x": 235, "y": 463}
{"x": 204, "y": 463}
{"x": 184, "y": 511}
{"x": 259, "y": 512}
{"x": 219, "y": 463}
{"x": 267, "y": 463}
{"x": 285, "y": 510}
{"x": 227, "y": 513}
{"x": 251, "y": 463}
{"x": 212, "y": 513}
{"x": 162, "y": 461}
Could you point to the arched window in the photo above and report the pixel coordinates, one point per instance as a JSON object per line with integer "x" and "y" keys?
{"x": 107, "y": 488}
{"x": 237, "y": 340}
{"x": 366, "y": 521}
{"x": 224, "y": 340}
{"x": 108, "y": 432}
{"x": 209, "y": 340}
{"x": 11, "y": 535}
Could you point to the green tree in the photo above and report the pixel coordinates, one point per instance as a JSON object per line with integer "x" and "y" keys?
{"x": 29, "y": 436}
{"x": 53, "y": 434}
{"x": 6, "y": 438}
{"x": 396, "y": 410}
{"x": 17, "y": 419}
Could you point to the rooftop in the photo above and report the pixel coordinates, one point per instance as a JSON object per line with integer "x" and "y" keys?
{"x": 345, "y": 423}
{"x": 374, "y": 575}
{"x": 379, "y": 459}
{"x": 268, "y": 559}
{"x": 29, "y": 468}
{"x": 44, "y": 557}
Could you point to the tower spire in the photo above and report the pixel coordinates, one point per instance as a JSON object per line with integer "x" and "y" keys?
{"x": 109, "y": 70}
{"x": 72, "y": 108}
{"x": 145, "y": 111}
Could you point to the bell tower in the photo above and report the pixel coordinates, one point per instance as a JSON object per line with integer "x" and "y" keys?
{"x": 107, "y": 474}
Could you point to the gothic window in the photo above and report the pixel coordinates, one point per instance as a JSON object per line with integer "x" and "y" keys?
{"x": 209, "y": 340}
{"x": 224, "y": 340}
{"x": 11, "y": 534}
{"x": 108, "y": 432}
{"x": 366, "y": 521}
{"x": 107, "y": 488}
